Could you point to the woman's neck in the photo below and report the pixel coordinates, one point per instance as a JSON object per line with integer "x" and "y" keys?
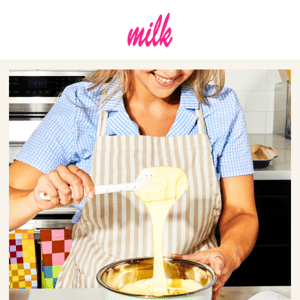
{"x": 154, "y": 116}
{"x": 138, "y": 94}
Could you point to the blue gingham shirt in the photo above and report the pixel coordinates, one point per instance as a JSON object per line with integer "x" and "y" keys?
{"x": 68, "y": 132}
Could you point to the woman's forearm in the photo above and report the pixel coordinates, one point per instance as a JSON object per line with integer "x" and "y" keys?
{"x": 238, "y": 222}
{"x": 238, "y": 236}
{"x": 22, "y": 207}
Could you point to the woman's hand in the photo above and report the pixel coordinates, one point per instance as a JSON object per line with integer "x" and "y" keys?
{"x": 222, "y": 261}
{"x": 60, "y": 181}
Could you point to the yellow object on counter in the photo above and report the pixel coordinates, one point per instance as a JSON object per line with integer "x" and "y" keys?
{"x": 289, "y": 72}
{"x": 161, "y": 191}
{"x": 174, "y": 286}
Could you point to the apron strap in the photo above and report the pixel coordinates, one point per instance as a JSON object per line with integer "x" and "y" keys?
{"x": 102, "y": 122}
{"x": 200, "y": 120}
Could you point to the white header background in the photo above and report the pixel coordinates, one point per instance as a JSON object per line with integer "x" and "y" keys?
{"x": 89, "y": 29}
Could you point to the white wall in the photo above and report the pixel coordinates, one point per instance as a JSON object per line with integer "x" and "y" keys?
{"x": 262, "y": 94}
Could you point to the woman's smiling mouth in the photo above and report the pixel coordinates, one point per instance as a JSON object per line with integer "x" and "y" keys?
{"x": 163, "y": 80}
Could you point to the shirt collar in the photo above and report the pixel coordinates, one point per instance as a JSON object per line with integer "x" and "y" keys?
{"x": 188, "y": 99}
{"x": 121, "y": 124}
{"x": 115, "y": 102}
{"x": 185, "y": 118}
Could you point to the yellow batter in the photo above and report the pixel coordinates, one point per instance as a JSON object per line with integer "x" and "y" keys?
{"x": 162, "y": 190}
{"x": 166, "y": 183}
{"x": 174, "y": 286}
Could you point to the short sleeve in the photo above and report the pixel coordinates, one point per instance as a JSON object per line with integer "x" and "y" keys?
{"x": 52, "y": 143}
{"x": 235, "y": 158}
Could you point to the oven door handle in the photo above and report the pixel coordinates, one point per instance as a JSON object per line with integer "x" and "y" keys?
{"x": 37, "y": 225}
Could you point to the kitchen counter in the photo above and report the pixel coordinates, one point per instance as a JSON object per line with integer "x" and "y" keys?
{"x": 237, "y": 293}
{"x": 280, "y": 167}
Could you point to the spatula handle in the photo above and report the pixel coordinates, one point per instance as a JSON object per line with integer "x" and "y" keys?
{"x": 101, "y": 189}
{"x": 111, "y": 188}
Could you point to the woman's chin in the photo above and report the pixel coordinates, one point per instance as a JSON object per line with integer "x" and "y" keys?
{"x": 162, "y": 93}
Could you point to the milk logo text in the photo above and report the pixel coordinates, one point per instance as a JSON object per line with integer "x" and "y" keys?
{"x": 164, "y": 38}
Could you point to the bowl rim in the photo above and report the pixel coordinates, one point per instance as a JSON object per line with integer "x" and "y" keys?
{"x": 133, "y": 260}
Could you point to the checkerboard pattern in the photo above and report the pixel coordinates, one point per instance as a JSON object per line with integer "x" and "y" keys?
{"x": 22, "y": 260}
{"x": 55, "y": 248}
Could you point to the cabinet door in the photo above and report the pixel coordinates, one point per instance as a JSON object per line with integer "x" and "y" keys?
{"x": 265, "y": 266}
{"x": 274, "y": 215}
{"x": 269, "y": 264}
{"x": 273, "y": 204}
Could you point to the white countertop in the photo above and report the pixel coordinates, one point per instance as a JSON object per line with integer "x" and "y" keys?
{"x": 237, "y": 293}
{"x": 280, "y": 167}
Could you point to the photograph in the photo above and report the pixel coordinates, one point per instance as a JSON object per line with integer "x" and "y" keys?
{"x": 150, "y": 183}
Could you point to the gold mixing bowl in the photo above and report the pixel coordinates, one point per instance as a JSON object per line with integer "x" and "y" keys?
{"x": 114, "y": 276}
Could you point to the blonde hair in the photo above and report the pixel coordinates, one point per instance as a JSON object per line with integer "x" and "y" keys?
{"x": 199, "y": 81}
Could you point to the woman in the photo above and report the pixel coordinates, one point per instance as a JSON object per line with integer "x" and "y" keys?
{"x": 146, "y": 118}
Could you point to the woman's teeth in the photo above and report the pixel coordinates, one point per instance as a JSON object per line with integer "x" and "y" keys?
{"x": 161, "y": 79}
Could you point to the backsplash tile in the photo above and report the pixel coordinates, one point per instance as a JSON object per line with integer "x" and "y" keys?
{"x": 242, "y": 98}
{"x": 260, "y": 101}
{"x": 262, "y": 95}
{"x": 246, "y": 80}
{"x": 256, "y": 122}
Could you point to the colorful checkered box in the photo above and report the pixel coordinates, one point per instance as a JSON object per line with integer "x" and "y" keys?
{"x": 55, "y": 248}
{"x": 22, "y": 259}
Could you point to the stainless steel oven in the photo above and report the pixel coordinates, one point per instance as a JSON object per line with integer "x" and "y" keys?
{"x": 31, "y": 95}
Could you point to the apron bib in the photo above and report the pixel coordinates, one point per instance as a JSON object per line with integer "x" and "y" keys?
{"x": 118, "y": 226}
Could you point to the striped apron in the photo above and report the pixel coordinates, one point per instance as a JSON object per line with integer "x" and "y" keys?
{"x": 118, "y": 226}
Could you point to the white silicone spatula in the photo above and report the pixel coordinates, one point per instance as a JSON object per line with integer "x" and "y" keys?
{"x": 139, "y": 183}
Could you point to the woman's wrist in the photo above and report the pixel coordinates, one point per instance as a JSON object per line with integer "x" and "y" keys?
{"x": 233, "y": 254}
{"x": 35, "y": 206}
